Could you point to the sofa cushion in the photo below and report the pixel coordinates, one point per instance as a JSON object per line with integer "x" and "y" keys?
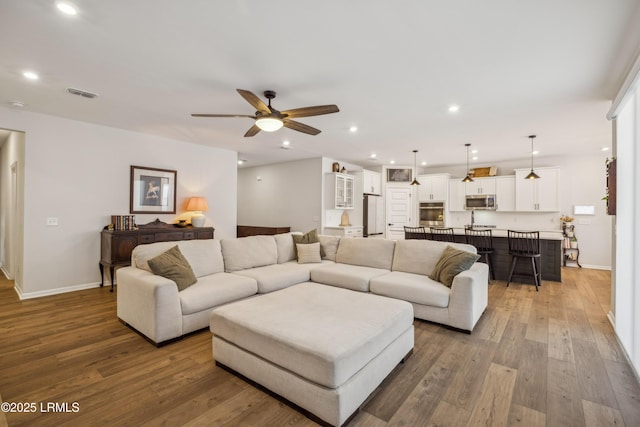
{"x": 415, "y": 288}
{"x": 421, "y": 256}
{"x": 249, "y": 252}
{"x": 286, "y": 247}
{"x": 309, "y": 237}
{"x": 329, "y": 245}
{"x": 204, "y": 256}
{"x": 354, "y": 277}
{"x": 214, "y": 290}
{"x": 308, "y": 253}
{"x": 452, "y": 262}
{"x": 277, "y": 276}
{"x": 174, "y": 266}
{"x": 376, "y": 253}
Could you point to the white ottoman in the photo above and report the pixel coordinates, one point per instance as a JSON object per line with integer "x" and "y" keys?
{"x": 323, "y": 348}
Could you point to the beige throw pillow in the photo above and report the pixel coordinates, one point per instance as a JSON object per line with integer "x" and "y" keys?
{"x": 452, "y": 261}
{"x": 309, "y": 237}
{"x": 308, "y": 252}
{"x": 173, "y": 265}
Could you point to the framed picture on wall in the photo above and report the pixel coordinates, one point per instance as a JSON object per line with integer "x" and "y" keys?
{"x": 399, "y": 175}
{"x": 152, "y": 190}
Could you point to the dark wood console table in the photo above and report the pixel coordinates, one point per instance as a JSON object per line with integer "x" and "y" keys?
{"x": 116, "y": 246}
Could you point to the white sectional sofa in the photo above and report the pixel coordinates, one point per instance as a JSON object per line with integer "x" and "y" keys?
{"x": 229, "y": 270}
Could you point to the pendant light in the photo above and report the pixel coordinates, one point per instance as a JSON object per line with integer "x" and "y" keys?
{"x": 415, "y": 170}
{"x": 532, "y": 174}
{"x": 468, "y": 177}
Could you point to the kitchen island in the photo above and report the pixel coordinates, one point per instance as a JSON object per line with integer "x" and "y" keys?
{"x": 550, "y": 256}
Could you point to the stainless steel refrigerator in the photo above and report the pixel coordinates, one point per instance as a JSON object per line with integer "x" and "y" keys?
{"x": 373, "y": 219}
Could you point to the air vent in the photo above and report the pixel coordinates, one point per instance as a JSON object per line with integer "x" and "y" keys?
{"x": 79, "y": 92}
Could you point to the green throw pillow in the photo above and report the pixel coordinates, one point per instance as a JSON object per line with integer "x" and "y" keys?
{"x": 451, "y": 262}
{"x": 173, "y": 265}
{"x": 310, "y": 237}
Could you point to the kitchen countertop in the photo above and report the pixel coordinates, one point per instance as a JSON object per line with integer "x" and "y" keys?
{"x": 340, "y": 227}
{"x": 502, "y": 232}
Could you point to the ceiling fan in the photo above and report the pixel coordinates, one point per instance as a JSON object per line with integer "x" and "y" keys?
{"x": 269, "y": 119}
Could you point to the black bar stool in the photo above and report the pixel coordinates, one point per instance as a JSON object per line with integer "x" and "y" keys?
{"x": 525, "y": 244}
{"x": 415, "y": 233}
{"x": 482, "y": 239}
{"x": 442, "y": 234}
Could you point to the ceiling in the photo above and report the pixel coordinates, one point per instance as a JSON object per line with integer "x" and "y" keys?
{"x": 514, "y": 67}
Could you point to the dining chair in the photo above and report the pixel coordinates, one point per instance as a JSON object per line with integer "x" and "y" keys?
{"x": 525, "y": 245}
{"x": 482, "y": 240}
{"x": 415, "y": 233}
{"x": 442, "y": 234}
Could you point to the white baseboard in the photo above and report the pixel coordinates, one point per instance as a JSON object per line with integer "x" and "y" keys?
{"x": 612, "y": 320}
{"x": 597, "y": 267}
{"x": 56, "y": 291}
{"x": 5, "y": 272}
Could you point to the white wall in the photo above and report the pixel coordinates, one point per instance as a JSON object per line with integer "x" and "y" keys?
{"x": 582, "y": 181}
{"x": 285, "y": 194}
{"x": 627, "y": 242}
{"x": 79, "y": 173}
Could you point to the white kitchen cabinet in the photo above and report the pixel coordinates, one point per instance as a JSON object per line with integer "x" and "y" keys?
{"x": 340, "y": 191}
{"x": 371, "y": 181}
{"x": 481, "y": 186}
{"x": 433, "y": 187}
{"x": 350, "y": 231}
{"x": 456, "y": 195}
{"x": 537, "y": 195}
{"x": 506, "y": 193}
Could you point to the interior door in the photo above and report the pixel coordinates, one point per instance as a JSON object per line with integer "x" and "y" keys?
{"x": 399, "y": 211}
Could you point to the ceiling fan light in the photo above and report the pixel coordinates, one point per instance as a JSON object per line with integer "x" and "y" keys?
{"x": 269, "y": 124}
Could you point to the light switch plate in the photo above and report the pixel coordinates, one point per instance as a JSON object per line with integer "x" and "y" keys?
{"x": 52, "y": 221}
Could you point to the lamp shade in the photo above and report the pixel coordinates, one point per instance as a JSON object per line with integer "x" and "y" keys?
{"x": 197, "y": 204}
{"x": 269, "y": 124}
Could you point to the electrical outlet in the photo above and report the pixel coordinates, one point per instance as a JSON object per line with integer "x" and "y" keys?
{"x": 52, "y": 221}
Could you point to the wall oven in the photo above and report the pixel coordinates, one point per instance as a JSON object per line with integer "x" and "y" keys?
{"x": 432, "y": 214}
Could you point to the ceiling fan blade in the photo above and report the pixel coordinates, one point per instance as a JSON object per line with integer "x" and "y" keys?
{"x": 252, "y": 131}
{"x": 311, "y": 111}
{"x": 300, "y": 127}
{"x": 252, "y": 99}
{"x": 222, "y": 115}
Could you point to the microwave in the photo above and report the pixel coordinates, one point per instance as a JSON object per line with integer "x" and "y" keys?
{"x": 486, "y": 202}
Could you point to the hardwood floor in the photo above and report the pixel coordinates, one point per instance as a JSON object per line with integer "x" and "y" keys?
{"x": 535, "y": 359}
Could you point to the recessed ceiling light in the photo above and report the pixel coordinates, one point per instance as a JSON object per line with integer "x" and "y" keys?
{"x": 30, "y": 75}
{"x": 286, "y": 143}
{"x": 474, "y": 151}
{"x": 353, "y": 128}
{"x": 393, "y": 162}
{"x": 535, "y": 152}
{"x": 424, "y": 163}
{"x": 241, "y": 161}
{"x": 372, "y": 156}
{"x": 454, "y": 108}
{"x": 66, "y": 8}
{"x": 605, "y": 148}
{"x": 474, "y": 158}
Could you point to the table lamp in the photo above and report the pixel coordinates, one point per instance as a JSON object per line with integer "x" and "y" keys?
{"x": 197, "y": 205}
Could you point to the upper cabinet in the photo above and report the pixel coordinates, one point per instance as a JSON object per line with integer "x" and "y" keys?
{"x": 456, "y": 195}
{"x": 481, "y": 186}
{"x": 339, "y": 190}
{"x": 371, "y": 181}
{"x": 506, "y": 193}
{"x": 433, "y": 187}
{"x": 537, "y": 195}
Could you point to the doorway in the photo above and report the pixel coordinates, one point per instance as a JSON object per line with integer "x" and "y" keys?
{"x": 399, "y": 211}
